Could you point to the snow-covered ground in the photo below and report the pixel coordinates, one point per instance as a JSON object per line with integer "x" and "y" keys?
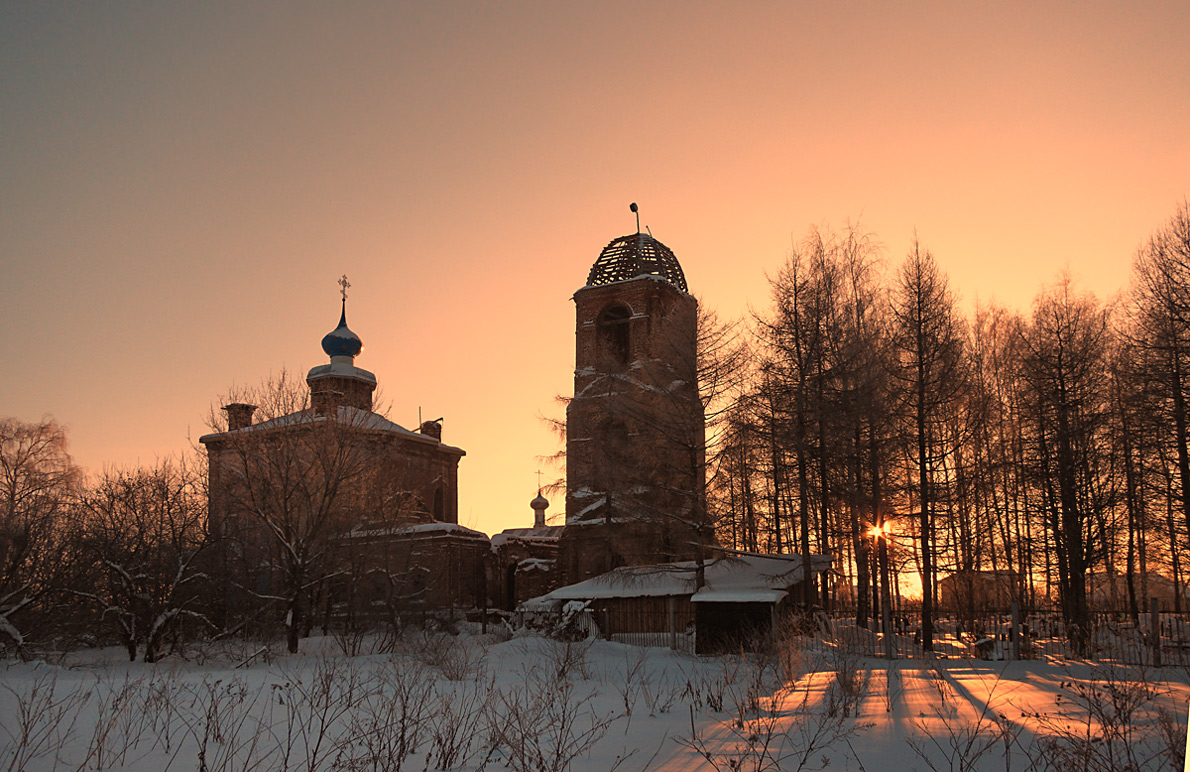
{"x": 474, "y": 702}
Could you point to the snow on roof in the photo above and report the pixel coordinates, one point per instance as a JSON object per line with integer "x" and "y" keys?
{"x": 362, "y": 532}
{"x": 734, "y": 578}
{"x": 344, "y": 414}
{"x": 340, "y": 368}
{"x": 549, "y": 533}
{"x": 707, "y": 595}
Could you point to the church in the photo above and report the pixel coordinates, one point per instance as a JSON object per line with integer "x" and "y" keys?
{"x": 338, "y": 499}
{"x": 388, "y": 508}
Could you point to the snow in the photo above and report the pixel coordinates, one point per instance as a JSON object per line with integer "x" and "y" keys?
{"x": 420, "y": 528}
{"x": 753, "y": 577}
{"x": 248, "y": 706}
{"x": 707, "y": 595}
{"x": 545, "y": 535}
{"x": 346, "y": 415}
{"x": 596, "y": 504}
{"x": 341, "y": 368}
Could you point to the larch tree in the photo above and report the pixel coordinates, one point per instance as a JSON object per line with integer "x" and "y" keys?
{"x": 927, "y": 336}
{"x": 1065, "y": 368}
{"x": 1160, "y": 311}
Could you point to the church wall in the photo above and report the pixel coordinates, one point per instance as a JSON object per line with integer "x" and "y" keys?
{"x": 635, "y": 429}
{"x": 422, "y": 570}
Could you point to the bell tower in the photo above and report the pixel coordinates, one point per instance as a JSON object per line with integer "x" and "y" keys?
{"x": 635, "y": 446}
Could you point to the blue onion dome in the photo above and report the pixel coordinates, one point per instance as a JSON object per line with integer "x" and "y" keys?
{"x": 636, "y": 255}
{"x": 341, "y": 341}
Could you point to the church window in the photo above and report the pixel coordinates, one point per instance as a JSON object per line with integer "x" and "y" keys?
{"x": 613, "y": 332}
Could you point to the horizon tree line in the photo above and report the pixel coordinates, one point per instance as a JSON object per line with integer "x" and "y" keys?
{"x": 879, "y": 422}
{"x": 862, "y": 415}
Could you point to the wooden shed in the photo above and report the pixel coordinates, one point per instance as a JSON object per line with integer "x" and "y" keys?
{"x": 663, "y": 605}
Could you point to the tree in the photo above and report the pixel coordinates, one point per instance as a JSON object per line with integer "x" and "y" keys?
{"x": 821, "y": 404}
{"x": 282, "y": 489}
{"x": 1160, "y": 311}
{"x": 795, "y": 336}
{"x": 1065, "y": 368}
{"x": 928, "y": 339}
{"x": 676, "y": 407}
{"x": 144, "y": 532}
{"x": 38, "y": 484}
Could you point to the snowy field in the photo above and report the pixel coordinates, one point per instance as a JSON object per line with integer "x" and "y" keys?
{"x": 473, "y": 702}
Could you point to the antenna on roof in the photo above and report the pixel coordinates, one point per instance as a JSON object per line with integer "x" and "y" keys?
{"x": 635, "y": 210}
{"x": 650, "y": 232}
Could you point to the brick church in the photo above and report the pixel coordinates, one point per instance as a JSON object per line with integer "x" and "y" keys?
{"x": 635, "y": 456}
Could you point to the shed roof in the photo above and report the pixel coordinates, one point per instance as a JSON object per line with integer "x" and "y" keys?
{"x": 733, "y": 578}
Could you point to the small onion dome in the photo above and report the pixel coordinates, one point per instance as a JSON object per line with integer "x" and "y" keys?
{"x": 636, "y": 255}
{"x": 541, "y": 502}
{"x": 341, "y": 341}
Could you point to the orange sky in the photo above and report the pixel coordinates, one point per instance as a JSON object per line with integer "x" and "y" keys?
{"x": 180, "y": 188}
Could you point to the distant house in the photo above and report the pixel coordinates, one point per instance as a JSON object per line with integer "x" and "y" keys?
{"x": 977, "y": 590}
{"x": 1109, "y": 592}
{"x": 656, "y": 604}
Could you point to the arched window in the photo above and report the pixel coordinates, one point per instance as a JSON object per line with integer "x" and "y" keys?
{"x": 613, "y": 332}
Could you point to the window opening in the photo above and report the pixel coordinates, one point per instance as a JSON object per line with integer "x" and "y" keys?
{"x": 613, "y": 332}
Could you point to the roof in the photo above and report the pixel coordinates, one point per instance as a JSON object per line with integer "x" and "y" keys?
{"x": 549, "y": 533}
{"x": 638, "y": 254}
{"x": 735, "y": 578}
{"x": 366, "y": 532}
{"x": 342, "y": 370}
{"x": 348, "y": 416}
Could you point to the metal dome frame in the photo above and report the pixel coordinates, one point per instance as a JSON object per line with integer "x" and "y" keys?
{"x": 635, "y": 255}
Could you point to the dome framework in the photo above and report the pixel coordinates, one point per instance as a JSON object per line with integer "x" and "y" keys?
{"x": 635, "y": 255}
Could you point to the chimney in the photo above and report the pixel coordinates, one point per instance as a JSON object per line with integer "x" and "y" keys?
{"x": 432, "y": 429}
{"x": 239, "y": 415}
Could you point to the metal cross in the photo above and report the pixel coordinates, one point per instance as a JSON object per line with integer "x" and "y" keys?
{"x": 344, "y": 284}
{"x": 538, "y": 480}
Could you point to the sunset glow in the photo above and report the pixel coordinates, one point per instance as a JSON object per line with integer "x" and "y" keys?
{"x": 182, "y": 187}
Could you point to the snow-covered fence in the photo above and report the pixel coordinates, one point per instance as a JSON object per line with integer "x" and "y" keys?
{"x": 1036, "y": 634}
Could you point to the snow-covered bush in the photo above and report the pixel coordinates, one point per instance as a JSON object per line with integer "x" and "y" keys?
{"x": 545, "y": 722}
{"x": 1113, "y": 721}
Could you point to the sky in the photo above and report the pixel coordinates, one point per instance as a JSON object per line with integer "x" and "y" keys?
{"x": 181, "y": 186}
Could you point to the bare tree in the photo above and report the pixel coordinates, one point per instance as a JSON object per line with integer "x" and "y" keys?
{"x": 1066, "y": 371}
{"x": 282, "y": 489}
{"x": 144, "y": 531}
{"x": 928, "y": 336}
{"x": 1160, "y": 311}
{"x": 38, "y": 484}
